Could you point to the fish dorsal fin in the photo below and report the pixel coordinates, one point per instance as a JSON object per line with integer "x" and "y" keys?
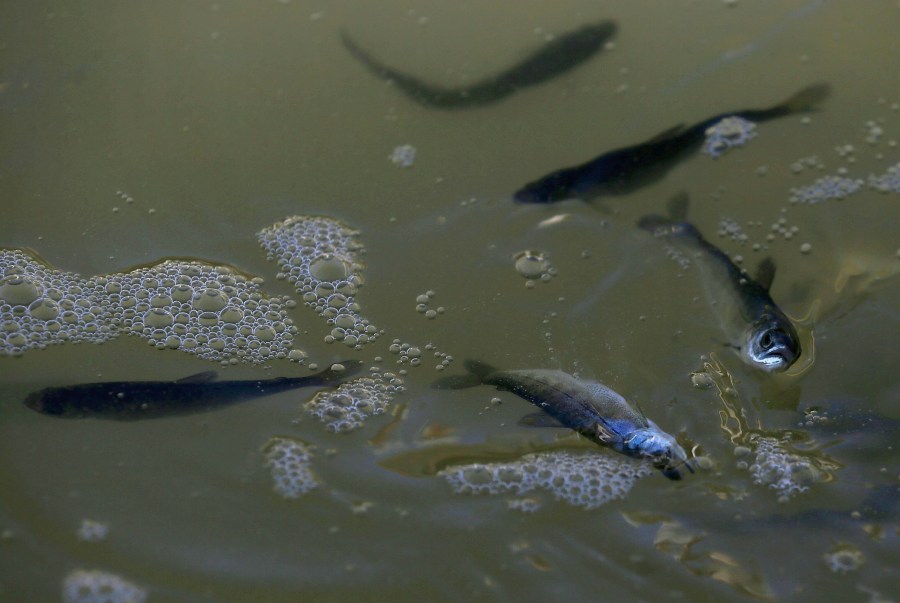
{"x": 539, "y": 419}
{"x": 666, "y": 134}
{"x": 677, "y": 206}
{"x": 765, "y": 273}
{"x": 204, "y": 377}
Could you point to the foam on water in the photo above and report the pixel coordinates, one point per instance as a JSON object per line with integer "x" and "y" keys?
{"x": 584, "y": 480}
{"x": 289, "y": 461}
{"x": 82, "y": 586}
{"x": 728, "y": 133}
{"x": 320, "y": 257}
{"x": 347, "y": 407}
{"x": 210, "y": 311}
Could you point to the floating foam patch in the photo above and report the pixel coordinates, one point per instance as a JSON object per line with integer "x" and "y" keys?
{"x": 584, "y": 480}
{"x": 320, "y": 257}
{"x": 728, "y": 133}
{"x": 826, "y": 188}
{"x": 202, "y": 309}
{"x": 786, "y": 473}
{"x": 347, "y": 407}
{"x": 82, "y": 586}
{"x": 289, "y": 461}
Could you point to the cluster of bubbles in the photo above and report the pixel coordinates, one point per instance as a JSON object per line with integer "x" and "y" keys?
{"x": 844, "y": 558}
{"x": 731, "y": 229}
{"x": 812, "y": 162}
{"x": 583, "y": 480}
{"x": 825, "y": 188}
{"x": 82, "y": 586}
{"x": 319, "y": 256}
{"x": 422, "y": 302}
{"x": 786, "y": 473}
{"x": 534, "y": 266}
{"x": 289, "y": 461}
{"x": 403, "y": 156}
{"x": 92, "y": 531}
{"x": 347, "y": 407}
{"x": 841, "y": 187}
{"x": 210, "y": 311}
{"x": 889, "y": 182}
{"x": 727, "y": 133}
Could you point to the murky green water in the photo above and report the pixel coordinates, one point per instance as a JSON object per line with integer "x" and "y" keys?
{"x": 132, "y": 132}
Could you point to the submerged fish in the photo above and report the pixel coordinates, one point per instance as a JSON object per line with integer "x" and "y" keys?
{"x": 765, "y": 336}
{"x": 588, "y": 407}
{"x": 134, "y": 400}
{"x": 625, "y": 170}
{"x": 555, "y": 58}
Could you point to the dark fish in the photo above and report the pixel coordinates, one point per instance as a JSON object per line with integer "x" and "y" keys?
{"x": 588, "y": 407}
{"x": 764, "y": 336}
{"x": 134, "y": 400}
{"x": 625, "y": 170}
{"x": 555, "y": 58}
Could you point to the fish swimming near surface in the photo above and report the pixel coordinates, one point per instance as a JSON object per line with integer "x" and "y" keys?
{"x": 590, "y": 408}
{"x": 135, "y": 400}
{"x": 754, "y": 324}
{"x": 560, "y": 55}
{"x": 622, "y": 171}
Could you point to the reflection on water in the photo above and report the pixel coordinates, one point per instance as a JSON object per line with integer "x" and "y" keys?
{"x": 221, "y": 119}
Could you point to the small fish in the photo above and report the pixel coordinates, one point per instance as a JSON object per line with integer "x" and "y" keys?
{"x": 555, "y": 58}
{"x": 622, "y": 171}
{"x": 135, "y": 400}
{"x": 588, "y": 407}
{"x": 766, "y": 337}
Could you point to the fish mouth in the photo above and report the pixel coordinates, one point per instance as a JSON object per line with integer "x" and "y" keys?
{"x": 775, "y": 360}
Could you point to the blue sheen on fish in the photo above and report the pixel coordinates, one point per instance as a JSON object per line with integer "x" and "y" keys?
{"x": 588, "y": 407}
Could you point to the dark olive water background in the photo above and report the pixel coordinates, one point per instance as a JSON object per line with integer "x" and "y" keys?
{"x": 220, "y": 118}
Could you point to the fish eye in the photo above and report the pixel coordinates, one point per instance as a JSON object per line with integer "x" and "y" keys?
{"x": 767, "y": 340}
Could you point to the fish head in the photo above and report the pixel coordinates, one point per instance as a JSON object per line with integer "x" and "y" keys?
{"x": 549, "y": 189}
{"x": 772, "y": 343}
{"x": 45, "y": 402}
{"x": 659, "y": 448}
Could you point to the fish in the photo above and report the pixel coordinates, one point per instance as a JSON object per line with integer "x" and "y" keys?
{"x": 754, "y": 325}
{"x": 559, "y": 56}
{"x": 623, "y": 171}
{"x": 137, "y": 400}
{"x": 588, "y": 407}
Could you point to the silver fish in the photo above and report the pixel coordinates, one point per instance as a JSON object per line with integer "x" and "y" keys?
{"x": 765, "y": 337}
{"x": 590, "y": 408}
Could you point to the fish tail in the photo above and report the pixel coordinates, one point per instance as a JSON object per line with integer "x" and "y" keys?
{"x": 807, "y": 99}
{"x": 478, "y": 372}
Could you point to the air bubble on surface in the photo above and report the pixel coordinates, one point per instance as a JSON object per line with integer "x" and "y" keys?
{"x": 92, "y": 531}
{"x": 403, "y": 156}
{"x": 83, "y": 586}
{"x": 844, "y": 558}
{"x": 534, "y": 265}
{"x": 289, "y": 461}
{"x": 583, "y": 480}
{"x": 347, "y": 407}
{"x": 320, "y": 257}
{"x": 728, "y": 133}
{"x": 185, "y": 305}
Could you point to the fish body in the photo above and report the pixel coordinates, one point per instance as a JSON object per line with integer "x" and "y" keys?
{"x": 134, "y": 400}
{"x": 622, "y": 171}
{"x": 588, "y": 407}
{"x": 562, "y": 54}
{"x": 766, "y": 338}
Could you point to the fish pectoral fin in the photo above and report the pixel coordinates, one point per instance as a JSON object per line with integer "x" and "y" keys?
{"x": 539, "y": 419}
{"x": 204, "y": 377}
{"x": 765, "y": 273}
{"x": 605, "y": 434}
